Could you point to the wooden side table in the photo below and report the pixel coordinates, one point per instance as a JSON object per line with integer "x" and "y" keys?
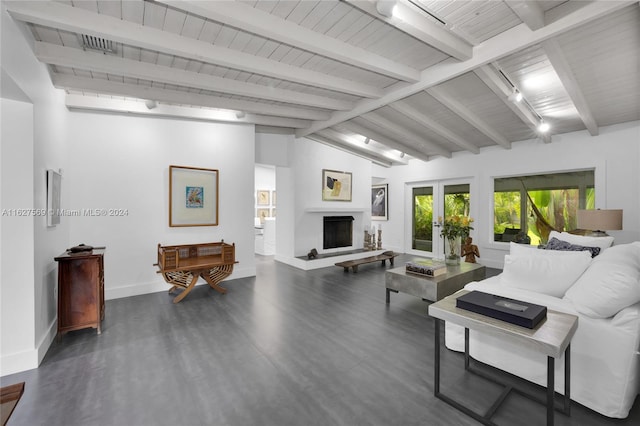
{"x": 80, "y": 290}
{"x": 552, "y": 337}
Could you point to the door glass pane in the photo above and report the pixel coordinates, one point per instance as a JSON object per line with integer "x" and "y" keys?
{"x": 422, "y": 235}
{"x": 456, "y": 201}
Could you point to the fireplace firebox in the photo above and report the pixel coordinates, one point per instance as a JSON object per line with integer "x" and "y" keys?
{"x": 337, "y": 231}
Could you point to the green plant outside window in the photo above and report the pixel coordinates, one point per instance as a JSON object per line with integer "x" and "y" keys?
{"x": 556, "y": 197}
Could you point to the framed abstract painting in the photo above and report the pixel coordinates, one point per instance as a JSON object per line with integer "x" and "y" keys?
{"x": 336, "y": 186}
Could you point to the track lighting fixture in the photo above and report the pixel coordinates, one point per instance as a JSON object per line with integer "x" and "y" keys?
{"x": 366, "y": 141}
{"x": 515, "y": 96}
{"x": 543, "y": 127}
{"x": 386, "y": 7}
{"x": 151, "y": 104}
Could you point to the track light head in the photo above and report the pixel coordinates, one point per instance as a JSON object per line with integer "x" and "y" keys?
{"x": 543, "y": 127}
{"x": 516, "y": 96}
{"x": 366, "y": 141}
{"x": 151, "y": 104}
{"x": 386, "y": 7}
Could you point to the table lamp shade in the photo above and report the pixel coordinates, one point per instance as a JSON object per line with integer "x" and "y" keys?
{"x": 600, "y": 220}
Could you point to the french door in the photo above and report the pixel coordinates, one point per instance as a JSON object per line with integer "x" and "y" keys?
{"x": 427, "y": 203}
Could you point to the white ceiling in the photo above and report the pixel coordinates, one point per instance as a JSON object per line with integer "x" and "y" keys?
{"x": 431, "y": 80}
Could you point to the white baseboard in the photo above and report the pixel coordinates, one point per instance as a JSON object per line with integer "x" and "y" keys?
{"x": 158, "y": 285}
{"x": 18, "y": 362}
{"x": 46, "y": 340}
{"x": 29, "y": 359}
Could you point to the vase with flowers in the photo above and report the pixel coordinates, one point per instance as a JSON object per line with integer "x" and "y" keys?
{"x": 453, "y": 229}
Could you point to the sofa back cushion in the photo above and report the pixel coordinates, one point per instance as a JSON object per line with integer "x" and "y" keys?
{"x": 544, "y": 271}
{"x": 581, "y": 240}
{"x": 610, "y": 284}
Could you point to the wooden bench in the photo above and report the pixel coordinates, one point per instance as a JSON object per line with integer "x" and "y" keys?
{"x": 9, "y": 397}
{"x": 353, "y": 264}
{"x": 182, "y": 265}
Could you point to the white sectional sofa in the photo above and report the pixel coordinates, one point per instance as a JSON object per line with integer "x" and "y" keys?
{"x": 604, "y": 292}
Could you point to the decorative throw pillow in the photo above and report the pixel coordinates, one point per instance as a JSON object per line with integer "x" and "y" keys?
{"x": 556, "y": 244}
{"x": 545, "y": 271}
{"x": 610, "y": 284}
{"x": 602, "y": 242}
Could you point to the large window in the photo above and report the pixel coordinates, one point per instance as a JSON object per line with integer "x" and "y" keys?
{"x": 548, "y": 201}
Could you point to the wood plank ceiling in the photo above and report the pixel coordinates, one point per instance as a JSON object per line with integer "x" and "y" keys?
{"x": 434, "y": 78}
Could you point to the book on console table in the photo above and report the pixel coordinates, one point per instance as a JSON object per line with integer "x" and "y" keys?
{"x": 426, "y": 267}
{"x": 513, "y": 311}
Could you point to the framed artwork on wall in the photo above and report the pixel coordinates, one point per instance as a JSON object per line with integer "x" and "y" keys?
{"x": 379, "y": 202}
{"x": 54, "y": 185}
{"x": 336, "y": 186}
{"x": 193, "y": 196}
{"x": 262, "y": 197}
{"x": 262, "y": 214}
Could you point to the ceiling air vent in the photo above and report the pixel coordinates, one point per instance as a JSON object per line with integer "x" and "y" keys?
{"x": 97, "y": 43}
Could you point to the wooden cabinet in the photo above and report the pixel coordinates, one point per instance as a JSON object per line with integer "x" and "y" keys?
{"x": 80, "y": 290}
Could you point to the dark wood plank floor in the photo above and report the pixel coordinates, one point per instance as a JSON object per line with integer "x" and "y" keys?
{"x": 287, "y": 347}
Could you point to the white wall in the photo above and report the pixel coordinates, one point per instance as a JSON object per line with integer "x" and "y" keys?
{"x": 48, "y": 147}
{"x": 17, "y": 320}
{"x": 309, "y": 158}
{"x": 107, "y": 161}
{"x": 299, "y": 183}
{"x": 122, "y": 163}
{"x": 273, "y": 149}
{"x": 614, "y": 155}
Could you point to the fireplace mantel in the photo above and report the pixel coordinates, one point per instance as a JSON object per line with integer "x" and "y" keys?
{"x": 334, "y": 210}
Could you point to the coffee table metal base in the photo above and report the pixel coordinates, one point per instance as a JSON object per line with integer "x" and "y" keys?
{"x": 486, "y": 418}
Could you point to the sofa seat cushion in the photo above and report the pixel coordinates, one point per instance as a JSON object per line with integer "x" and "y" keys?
{"x": 610, "y": 284}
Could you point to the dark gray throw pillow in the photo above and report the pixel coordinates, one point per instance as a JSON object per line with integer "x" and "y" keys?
{"x": 556, "y": 244}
